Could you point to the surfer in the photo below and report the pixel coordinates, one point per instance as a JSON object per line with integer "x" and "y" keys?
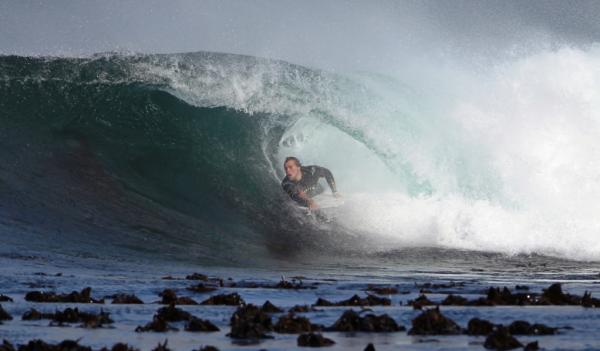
{"x": 301, "y": 183}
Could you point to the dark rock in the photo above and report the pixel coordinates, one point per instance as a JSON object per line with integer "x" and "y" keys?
{"x": 370, "y": 300}
{"x": 4, "y": 298}
{"x": 162, "y": 347}
{"x": 482, "y": 301}
{"x": 291, "y": 324}
{"x": 554, "y": 295}
{"x": 420, "y": 301}
{"x": 126, "y": 299}
{"x": 284, "y": 284}
{"x": 65, "y": 345}
{"x": 478, "y": 326}
{"x": 7, "y": 346}
{"x": 525, "y": 328}
{"x": 440, "y": 286}
{"x": 301, "y": 309}
{"x": 323, "y": 302}
{"x": 232, "y": 299}
{"x": 250, "y": 322}
{"x": 4, "y": 316}
{"x": 201, "y": 288}
{"x": 370, "y": 347}
{"x": 521, "y": 287}
{"x": 351, "y": 321}
{"x": 270, "y": 308}
{"x": 168, "y": 277}
{"x": 200, "y": 325}
{"x": 169, "y": 297}
{"x": 532, "y": 346}
{"x": 73, "y": 297}
{"x": 314, "y": 340}
{"x": 383, "y": 290}
{"x": 501, "y": 340}
{"x": 73, "y": 315}
{"x": 157, "y": 325}
{"x": 208, "y": 348}
{"x": 197, "y": 276}
{"x": 120, "y": 347}
{"x": 433, "y": 322}
{"x": 173, "y": 314}
{"x": 35, "y": 315}
{"x": 454, "y": 300}
{"x": 588, "y": 301}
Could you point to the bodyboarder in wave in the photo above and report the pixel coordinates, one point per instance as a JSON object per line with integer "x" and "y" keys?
{"x": 301, "y": 183}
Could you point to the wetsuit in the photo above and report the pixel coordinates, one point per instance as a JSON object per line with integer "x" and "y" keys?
{"x": 309, "y": 183}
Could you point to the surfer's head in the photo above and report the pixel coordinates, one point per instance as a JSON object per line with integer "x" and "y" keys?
{"x": 291, "y": 165}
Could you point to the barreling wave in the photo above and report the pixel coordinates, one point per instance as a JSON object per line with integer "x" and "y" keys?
{"x": 162, "y": 153}
{"x": 181, "y": 154}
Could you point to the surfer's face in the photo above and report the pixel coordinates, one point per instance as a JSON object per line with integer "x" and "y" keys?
{"x": 292, "y": 170}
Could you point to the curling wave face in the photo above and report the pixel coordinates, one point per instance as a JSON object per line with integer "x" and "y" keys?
{"x": 181, "y": 154}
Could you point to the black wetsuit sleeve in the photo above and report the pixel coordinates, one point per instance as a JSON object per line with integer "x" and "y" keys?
{"x": 293, "y": 191}
{"x": 325, "y": 173}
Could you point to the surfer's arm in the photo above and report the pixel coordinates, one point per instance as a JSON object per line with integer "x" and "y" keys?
{"x": 298, "y": 195}
{"x": 325, "y": 173}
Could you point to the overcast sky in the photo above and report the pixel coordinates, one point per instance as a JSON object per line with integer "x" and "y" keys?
{"x": 338, "y": 34}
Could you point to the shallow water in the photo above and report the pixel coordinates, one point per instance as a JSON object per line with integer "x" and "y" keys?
{"x": 333, "y": 282}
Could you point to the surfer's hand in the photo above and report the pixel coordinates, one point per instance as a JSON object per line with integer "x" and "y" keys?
{"x": 313, "y": 205}
{"x": 337, "y": 194}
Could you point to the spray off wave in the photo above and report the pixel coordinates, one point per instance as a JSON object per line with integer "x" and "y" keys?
{"x": 508, "y": 164}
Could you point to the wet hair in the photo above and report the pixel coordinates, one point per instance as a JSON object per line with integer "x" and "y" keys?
{"x": 292, "y": 158}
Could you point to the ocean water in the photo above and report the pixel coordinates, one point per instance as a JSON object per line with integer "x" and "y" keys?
{"x": 118, "y": 169}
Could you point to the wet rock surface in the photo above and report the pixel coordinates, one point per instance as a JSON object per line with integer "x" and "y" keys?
{"x": 525, "y": 328}
{"x": 383, "y": 290}
{"x": 301, "y": 309}
{"x": 270, "y": 308}
{"x": 250, "y": 322}
{"x": 158, "y": 325}
{"x": 478, "y": 326}
{"x": 162, "y": 346}
{"x": 501, "y": 340}
{"x": 4, "y": 298}
{"x": 173, "y": 314}
{"x": 169, "y": 297}
{"x": 233, "y": 299}
{"x": 200, "y": 325}
{"x": 4, "y": 316}
{"x": 454, "y": 300}
{"x": 164, "y": 315}
{"x": 120, "y": 347}
{"x": 71, "y": 315}
{"x": 65, "y": 345}
{"x": 201, "y": 288}
{"x": 356, "y": 300}
{"x": 314, "y": 340}
{"x": 553, "y": 295}
{"x": 126, "y": 299}
{"x": 351, "y": 321}
{"x": 197, "y": 276}
{"x": 33, "y": 315}
{"x": 433, "y": 322}
{"x": 84, "y": 296}
{"x": 420, "y": 302}
{"x": 208, "y": 348}
{"x": 292, "y": 324}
